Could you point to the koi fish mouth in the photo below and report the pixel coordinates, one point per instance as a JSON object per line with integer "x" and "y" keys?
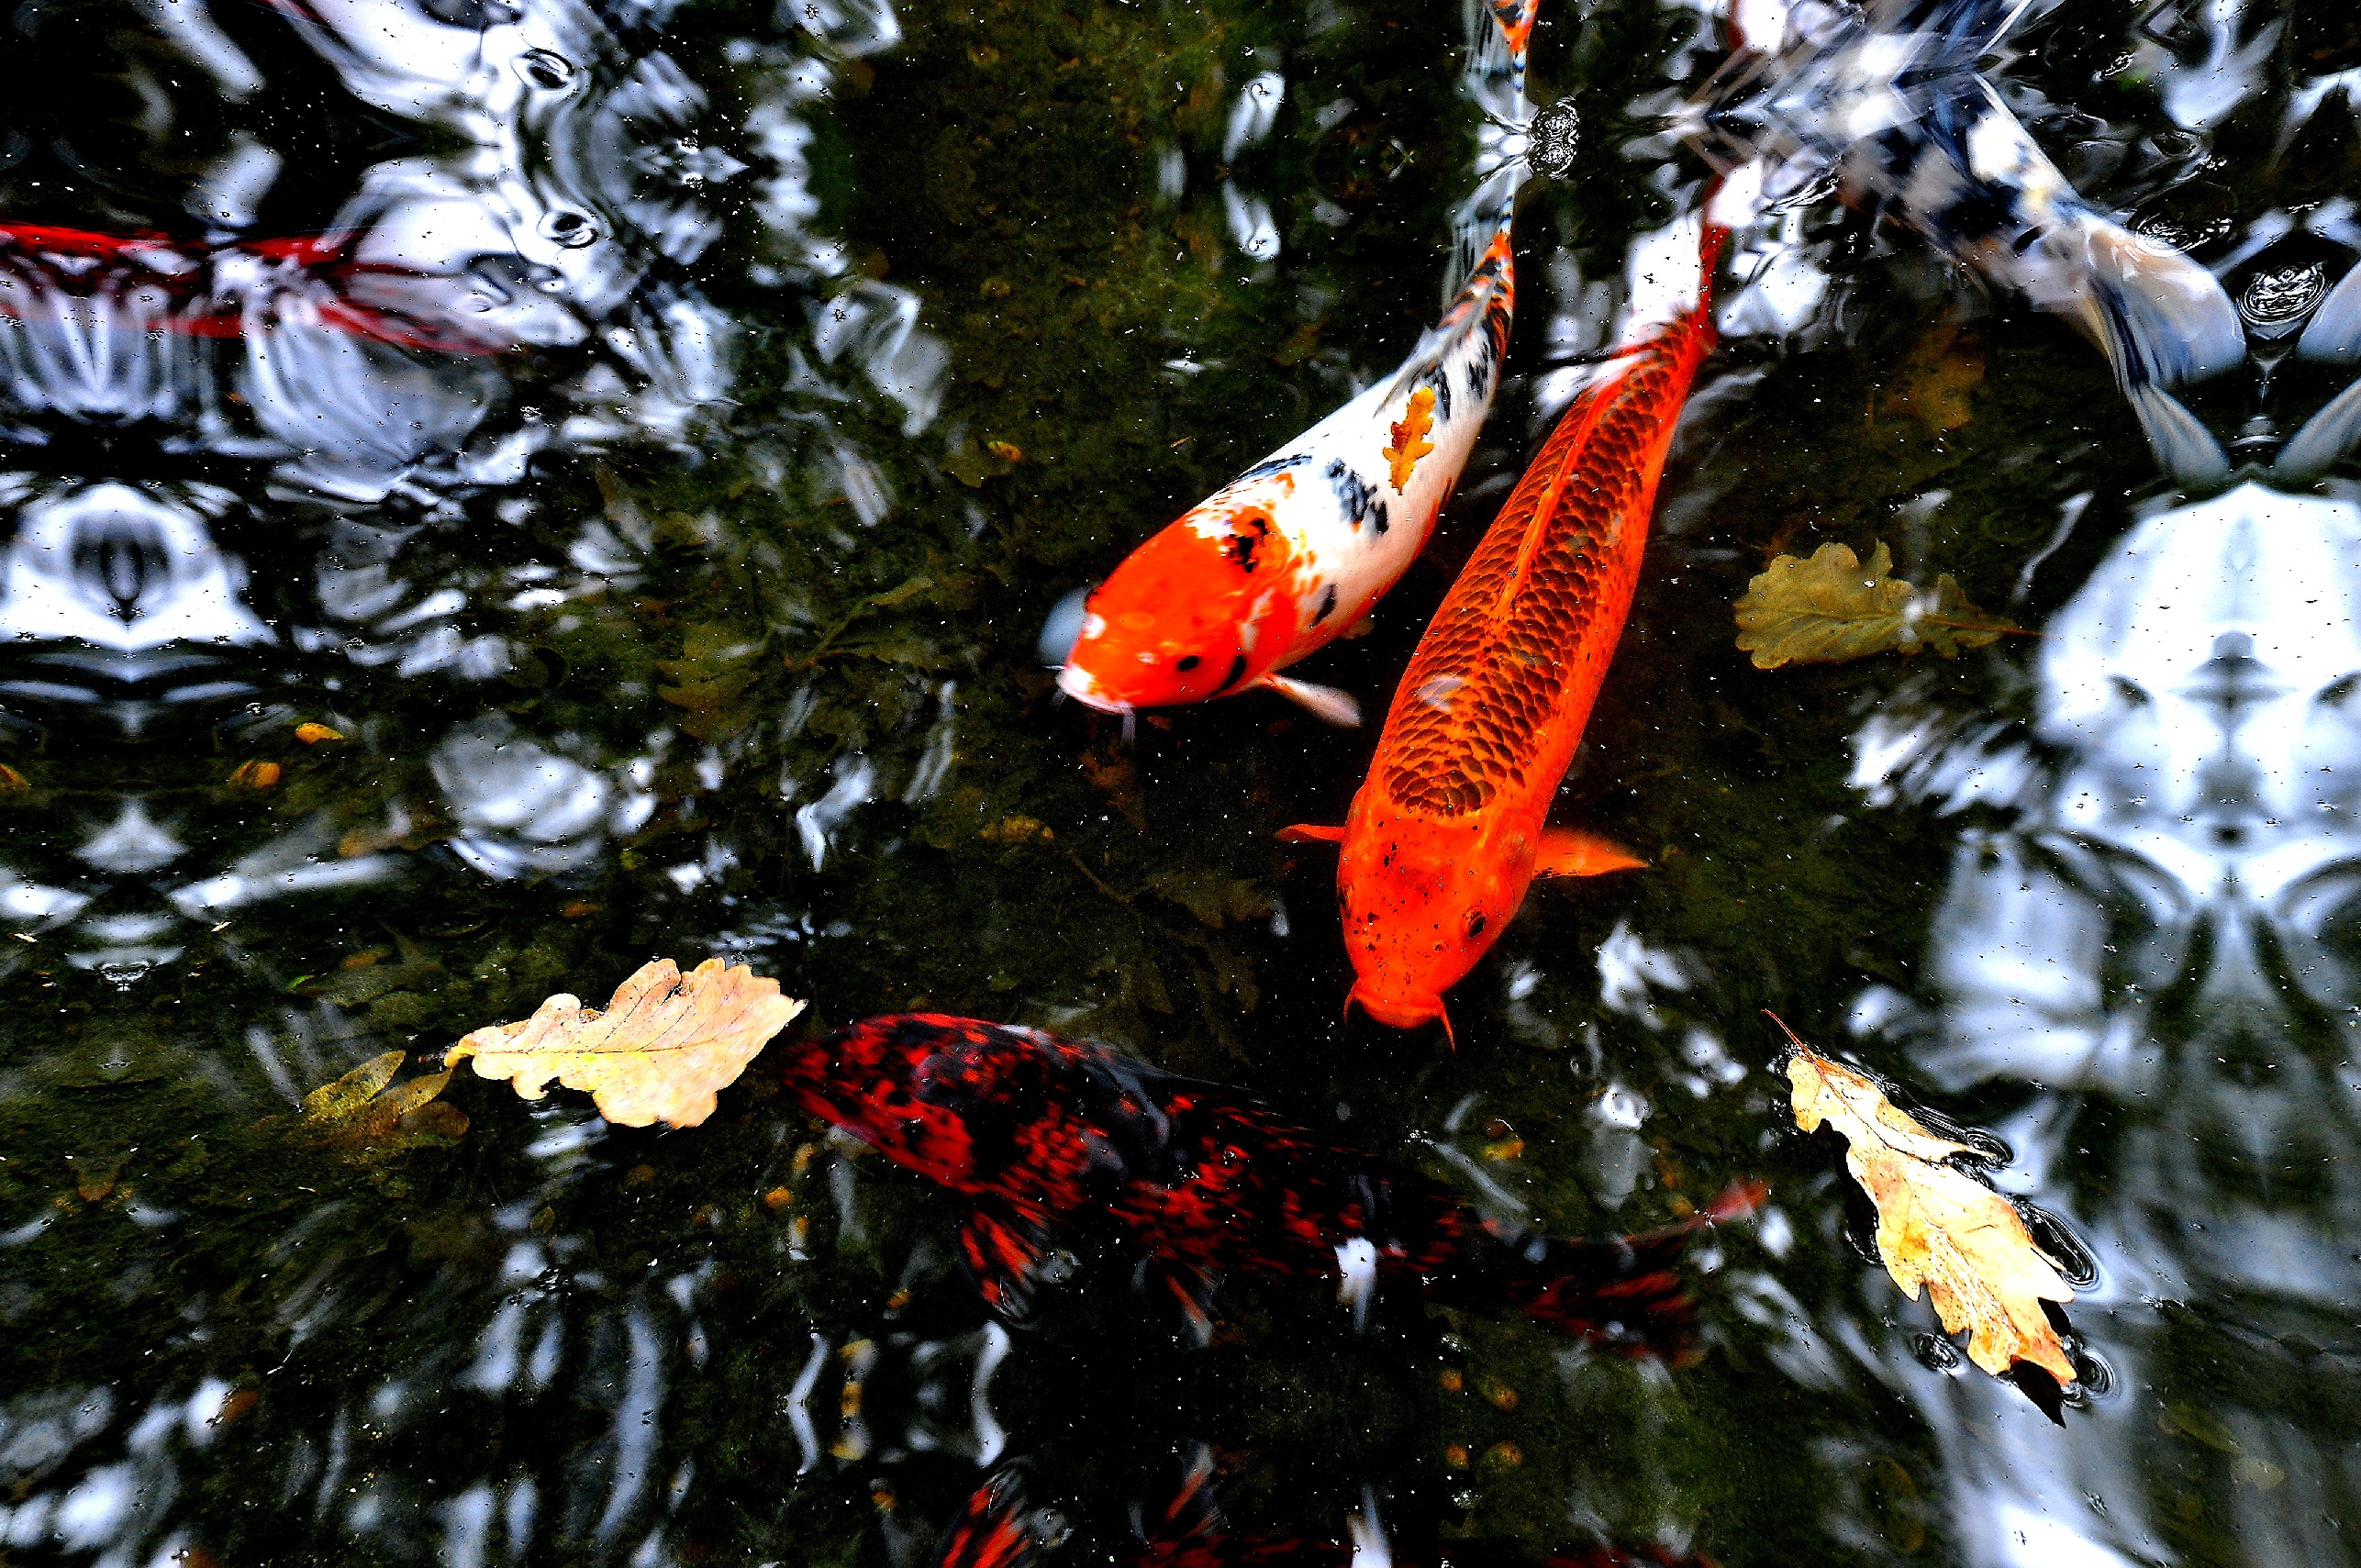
{"x": 1406, "y": 1011}
{"x": 1083, "y": 687}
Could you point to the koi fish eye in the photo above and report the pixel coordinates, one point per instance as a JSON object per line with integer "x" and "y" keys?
{"x": 1188, "y": 662}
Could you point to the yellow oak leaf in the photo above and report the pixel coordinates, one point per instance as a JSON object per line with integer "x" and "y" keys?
{"x": 665, "y": 1045}
{"x": 365, "y": 1116}
{"x": 1409, "y": 442}
{"x": 1832, "y": 608}
{"x": 1937, "y": 1226}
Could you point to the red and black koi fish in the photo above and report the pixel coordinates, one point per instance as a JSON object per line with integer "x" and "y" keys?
{"x": 1041, "y": 1134}
{"x": 199, "y": 289}
{"x": 996, "y": 1530}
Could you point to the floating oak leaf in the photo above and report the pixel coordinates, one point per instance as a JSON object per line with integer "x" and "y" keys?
{"x": 660, "y": 1051}
{"x": 1937, "y": 1226}
{"x": 365, "y": 1115}
{"x": 1832, "y": 608}
{"x": 1409, "y": 442}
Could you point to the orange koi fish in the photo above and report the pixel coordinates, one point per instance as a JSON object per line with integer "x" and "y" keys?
{"x": 1448, "y": 831}
{"x": 1287, "y": 557}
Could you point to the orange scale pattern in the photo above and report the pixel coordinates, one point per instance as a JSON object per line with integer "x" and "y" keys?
{"x": 1520, "y": 632}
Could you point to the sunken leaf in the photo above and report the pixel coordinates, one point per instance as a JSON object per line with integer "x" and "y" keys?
{"x": 1832, "y": 608}
{"x": 664, "y": 1046}
{"x": 365, "y": 1115}
{"x": 1937, "y": 1226}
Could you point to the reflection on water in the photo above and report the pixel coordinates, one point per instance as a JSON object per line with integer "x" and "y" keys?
{"x": 2153, "y": 950}
{"x": 495, "y": 490}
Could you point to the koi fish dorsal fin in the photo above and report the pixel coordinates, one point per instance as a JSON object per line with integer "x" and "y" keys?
{"x": 1567, "y": 851}
{"x": 1309, "y": 833}
{"x": 1007, "y": 1255}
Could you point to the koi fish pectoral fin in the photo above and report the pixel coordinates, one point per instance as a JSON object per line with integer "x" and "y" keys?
{"x": 1327, "y": 704}
{"x": 1309, "y": 833}
{"x": 1566, "y": 852}
{"x": 1008, "y": 1254}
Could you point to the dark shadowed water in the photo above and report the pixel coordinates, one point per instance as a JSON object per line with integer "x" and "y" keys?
{"x": 645, "y": 442}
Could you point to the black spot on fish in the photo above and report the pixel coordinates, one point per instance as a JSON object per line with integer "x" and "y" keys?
{"x": 1188, "y": 662}
{"x": 1237, "y": 674}
{"x": 1478, "y": 373}
{"x": 1251, "y": 532}
{"x": 2028, "y": 239}
{"x": 1357, "y": 498}
{"x": 1442, "y": 395}
{"x": 1327, "y": 606}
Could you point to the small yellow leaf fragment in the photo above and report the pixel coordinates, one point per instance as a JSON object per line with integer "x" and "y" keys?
{"x": 662, "y": 1049}
{"x": 1409, "y": 442}
{"x": 256, "y": 774}
{"x": 1006, "y": 452}
{"x": 1016, "y": 830}
{"x": 12, "y": 781}
{"x": 366, "y": 1116}
{"x": 1832, "y": 608}
{"x": 1937, "y": 1226}
{"x": 313, "y": 734}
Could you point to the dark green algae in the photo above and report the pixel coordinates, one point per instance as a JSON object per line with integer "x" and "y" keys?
{"x": 1003, "y": 164}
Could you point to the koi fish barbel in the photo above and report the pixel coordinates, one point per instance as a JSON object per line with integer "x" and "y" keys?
{"x": 1293, "y": 553}
{"x": 1045, "y": 1137}
{"x": 1448, "y": 832}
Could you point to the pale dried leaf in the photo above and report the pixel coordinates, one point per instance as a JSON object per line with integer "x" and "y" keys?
{"x": 660, "y": 1051}
{"x": 1832, "y": 608}
{"x": 1937, "y": 1226}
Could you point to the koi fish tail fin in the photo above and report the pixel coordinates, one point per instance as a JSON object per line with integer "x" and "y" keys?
{"x": 994, "y": 1530}
{"x": 1628, "y": 1294}
{"x": 1513, "y": 22}
{"x": 1625, "y": 1295}
{"x": 1670, "y": 279}
{"x": 2160, "y": 317}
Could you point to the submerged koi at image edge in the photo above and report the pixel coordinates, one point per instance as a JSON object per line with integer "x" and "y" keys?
{"x": 1043, "y": 1135}
{"x": 998, "y": 1529}
{"x": 1449, "y": 830}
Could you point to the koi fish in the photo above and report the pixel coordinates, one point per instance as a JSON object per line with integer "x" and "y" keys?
{"x": 997, "y": 1529}
{"x": 1293, "y": 553}
{"x": 1447, "y": 832}
{"x": 1043, "y": 1135}
{"x": 1887, "y": 98}
{"x": 197, "y": 289}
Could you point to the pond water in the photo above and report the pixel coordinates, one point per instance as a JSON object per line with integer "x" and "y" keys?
{"x": 501, "y": 490}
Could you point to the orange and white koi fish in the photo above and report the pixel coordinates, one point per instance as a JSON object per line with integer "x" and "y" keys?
{"x": 1288, "y": 556}
{"x": 1448, "y": 832}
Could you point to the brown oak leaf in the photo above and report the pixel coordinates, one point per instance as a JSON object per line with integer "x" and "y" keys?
{"x": 660, "y": 1051}
{"x": 1937, "y": 1226}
